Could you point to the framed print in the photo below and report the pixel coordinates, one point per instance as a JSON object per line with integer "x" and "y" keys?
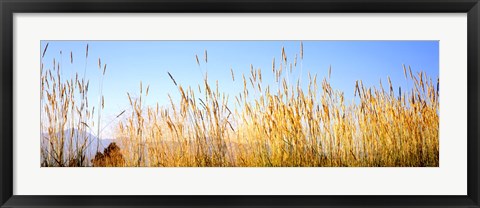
{"x": 264, "y": 104}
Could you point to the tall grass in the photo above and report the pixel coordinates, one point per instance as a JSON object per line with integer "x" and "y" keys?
{"x": 272, "y": 125}
{"x": 66, "y": 117}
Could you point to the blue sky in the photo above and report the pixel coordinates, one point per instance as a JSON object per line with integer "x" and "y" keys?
{"x": 129, "y": 62}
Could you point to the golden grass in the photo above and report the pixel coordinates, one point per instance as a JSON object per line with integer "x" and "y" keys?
{"x": 65, "y": 106}
{"x": 277, "y": 125}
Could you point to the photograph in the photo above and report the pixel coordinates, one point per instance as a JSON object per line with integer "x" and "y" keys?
{"x": 270, "y": 103}
{"x": 239, "y": 103}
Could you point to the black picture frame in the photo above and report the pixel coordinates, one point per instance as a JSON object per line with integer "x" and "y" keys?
{"x": 9, "y": 7}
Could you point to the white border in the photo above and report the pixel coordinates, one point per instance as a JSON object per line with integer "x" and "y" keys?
{"x": 448, "y": 179}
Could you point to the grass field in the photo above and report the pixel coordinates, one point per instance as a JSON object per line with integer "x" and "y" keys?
{"x": 268, "y": 125}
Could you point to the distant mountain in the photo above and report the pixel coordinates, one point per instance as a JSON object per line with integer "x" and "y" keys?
{"x": 75, "y": 135}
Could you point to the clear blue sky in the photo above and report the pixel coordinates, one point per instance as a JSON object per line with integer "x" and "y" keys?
{"x": 129, "y": 62}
